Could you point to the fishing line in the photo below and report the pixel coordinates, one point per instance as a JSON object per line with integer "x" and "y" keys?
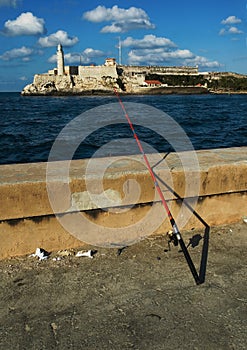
{"x": 176, "y": 236}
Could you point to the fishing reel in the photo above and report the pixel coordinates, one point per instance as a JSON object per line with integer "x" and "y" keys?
{"x": 172, "y": 239}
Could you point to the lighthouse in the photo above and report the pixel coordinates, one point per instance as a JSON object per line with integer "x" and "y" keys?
{"x": 60, "y": 60}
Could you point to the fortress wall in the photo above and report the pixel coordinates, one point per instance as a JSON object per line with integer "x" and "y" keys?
{"x": 174, "y": 70}
{"x": 159, "y": 70}
{"x": 41, "y": 79}
{"x": 27, "y": 220}
{"x": 85, "y": 74}
{"x": 97, "y": 71}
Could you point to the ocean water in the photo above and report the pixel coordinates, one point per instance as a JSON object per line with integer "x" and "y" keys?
{"x": 30, "y": 125}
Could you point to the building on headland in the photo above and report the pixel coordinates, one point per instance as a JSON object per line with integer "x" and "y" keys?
{"x": 85, "y": 78}
{"x": 92, "y": 71}
{"x": 112, "y": 69}
{"x": 152, "y": 83}
{"x": 110, "y": 62}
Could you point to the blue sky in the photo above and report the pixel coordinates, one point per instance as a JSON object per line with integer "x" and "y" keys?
{"x": 211, "y": 34}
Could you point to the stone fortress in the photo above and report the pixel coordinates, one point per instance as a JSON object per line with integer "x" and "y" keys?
{"x": 101, "y": 79}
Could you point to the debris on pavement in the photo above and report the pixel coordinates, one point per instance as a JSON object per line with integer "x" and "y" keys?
{"x": 40, "y": 253}
{"x": 88, "y": 254}
{"x": 245, "y": 219}
{"x": 65, "y": 253}
{"x": 120, "y": 250}
{"x": 58, "y": 258}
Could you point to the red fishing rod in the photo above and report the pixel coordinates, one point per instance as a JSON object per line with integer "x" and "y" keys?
{"x": 176, "y": 236}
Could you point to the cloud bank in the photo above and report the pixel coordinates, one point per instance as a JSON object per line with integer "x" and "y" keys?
{"x": 154, "y": 50}
{"x": 23, "y": 53}
{"x": 25, "y": 24}
{"x": 148, "y": 41}
{"x": 60, "y": 37}
{"x": 231, "y": 20}
{"x": 230, "y": 30}
{"x": 230, "y": 26}
{"x": 122, "y": 20}
{"x": 150, "y": 50}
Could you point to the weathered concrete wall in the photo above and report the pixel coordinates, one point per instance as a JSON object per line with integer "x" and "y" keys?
{"x": 27, "y": 219}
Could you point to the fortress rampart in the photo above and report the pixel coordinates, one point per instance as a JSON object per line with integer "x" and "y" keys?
{"x": 162, "y": 70}
{"x": 97, "y": 79}
{"x": 27, "y": 220}
{"x": 97, "y": 71}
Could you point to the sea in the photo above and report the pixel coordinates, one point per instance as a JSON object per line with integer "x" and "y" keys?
{"x": 30, "y": 125}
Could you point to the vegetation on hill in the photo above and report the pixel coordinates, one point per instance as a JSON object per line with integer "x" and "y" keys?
{"x": 222, "y": 83}
{"x": 229, "y": 83}
{"x": 178, "y": 80}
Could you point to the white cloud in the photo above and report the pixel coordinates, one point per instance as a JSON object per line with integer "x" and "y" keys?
{"x": 125, "y": 26}
{"x": 202, "y": 62}
{"x": 25, "y": 24}
{"x": 10, "y": 3}
{"x": 222, "y": 31}
{"x": 178, "y": 54}
{"x": 234, "y": 30}
{"x": 103, "y": 14}
{"x": 23, "y": 53}
{"x": 23, "y": 78}
{"x": 60, "y": 37}
{"x": 53, "y": 58}
{"x": 231, "y": 20}
{"x": 158, "y": 56}
{"x": 89, "y": 52}
{"x": 149, "y": 41}
{"x": 230, "y": 30}
{"x": 153, "y": 50}
{"x": 164, "y": 55}
{"x": 122, "y": 20}
{"x": 85, "y": 57}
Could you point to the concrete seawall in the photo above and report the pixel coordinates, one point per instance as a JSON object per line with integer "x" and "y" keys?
{"x": 27, "y": 219}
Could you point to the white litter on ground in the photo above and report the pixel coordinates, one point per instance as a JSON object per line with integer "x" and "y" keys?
{"x": 88, "y": 254}
{"x": 41, "y": 254}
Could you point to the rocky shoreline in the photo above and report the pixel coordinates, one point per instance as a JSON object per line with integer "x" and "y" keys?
{"x": 108, "y": 92}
